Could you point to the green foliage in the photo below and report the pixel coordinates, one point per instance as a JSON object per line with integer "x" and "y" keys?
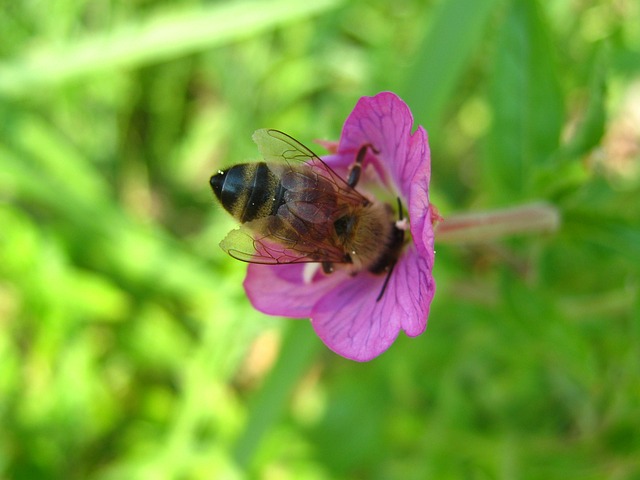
{"x": 525, "y": 94}
{"x": 128, "y": 347}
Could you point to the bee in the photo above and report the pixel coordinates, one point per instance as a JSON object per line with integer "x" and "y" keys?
{"x": 293, "y": 208}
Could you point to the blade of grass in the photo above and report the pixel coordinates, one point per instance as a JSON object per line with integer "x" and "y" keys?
{"x": 164, "y": 37}
{"x": 527, "y": 101}
{"x": 566, "y": 172}
{"x": 456, "y": 31}
{"x": 591, "y": 129}
{"x": 298, "y": 350}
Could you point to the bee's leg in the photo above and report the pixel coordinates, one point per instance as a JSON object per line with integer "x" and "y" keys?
{"x": 386, "y": 281}
{"x": 400, "y": 214}
{"x": 399, "y": 240}
{"x": 356, "y": 169}
{"x": 327, "y": 267}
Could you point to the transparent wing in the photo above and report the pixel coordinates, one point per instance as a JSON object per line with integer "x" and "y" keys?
{"x": 273, "y": 241}
{"x": 278, "y": 147}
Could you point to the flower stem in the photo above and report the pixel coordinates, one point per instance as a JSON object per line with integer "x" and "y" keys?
{"x": 538, "y": 217}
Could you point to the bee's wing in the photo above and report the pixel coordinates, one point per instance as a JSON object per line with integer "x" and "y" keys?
{"x": 276, "y": 146}
{"x": 273, "y": 241}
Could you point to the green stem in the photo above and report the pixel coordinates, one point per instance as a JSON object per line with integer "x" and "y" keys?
{"x": 539, "y": 217}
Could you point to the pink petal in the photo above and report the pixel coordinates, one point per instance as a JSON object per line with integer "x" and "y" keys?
{"x": 281, "y": 289}
{"x": 413, "y": 281}
{"x": 330, "y": 146}
{"x": 386, "y": 122}
{"x": 418, "y": 195}
{"x": 350, "y": 321}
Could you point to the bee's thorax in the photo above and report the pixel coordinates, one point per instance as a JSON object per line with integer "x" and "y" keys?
{"x": 370, "y": 238}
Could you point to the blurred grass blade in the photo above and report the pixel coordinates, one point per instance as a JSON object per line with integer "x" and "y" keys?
{"x": 591, "y": 129}
{"x": 566, "y": 171}
{"x": 610, "y": 233}
{"x": 169, "y": 36}
{"x": 56, "y": 163}
{"x": 298, "y": 351}
{"x": 527, "y": 102}
{"x": 457, "y": 29}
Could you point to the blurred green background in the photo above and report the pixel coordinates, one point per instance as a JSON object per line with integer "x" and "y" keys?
{"x": 127, "y": 346}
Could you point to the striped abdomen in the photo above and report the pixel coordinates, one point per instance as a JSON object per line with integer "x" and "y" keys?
{"x": 248, "y": 191}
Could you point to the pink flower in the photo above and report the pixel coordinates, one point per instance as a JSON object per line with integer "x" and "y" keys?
{"x": 343, "y": 308}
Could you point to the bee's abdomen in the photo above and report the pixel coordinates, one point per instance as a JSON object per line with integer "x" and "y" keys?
{"x": 248, "y": 191}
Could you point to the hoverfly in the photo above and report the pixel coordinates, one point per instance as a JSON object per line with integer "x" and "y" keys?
{"x": 294, "y": 208}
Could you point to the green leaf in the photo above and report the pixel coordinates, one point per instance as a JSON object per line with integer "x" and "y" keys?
{"x": 591, "y": 128}
{"x": 457, "y": 29}
{"x": 527, "y": 101}
{"x": 165, "y": 37}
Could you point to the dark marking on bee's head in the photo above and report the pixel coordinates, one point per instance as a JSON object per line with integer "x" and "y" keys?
{"x": 217, "y": 181}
